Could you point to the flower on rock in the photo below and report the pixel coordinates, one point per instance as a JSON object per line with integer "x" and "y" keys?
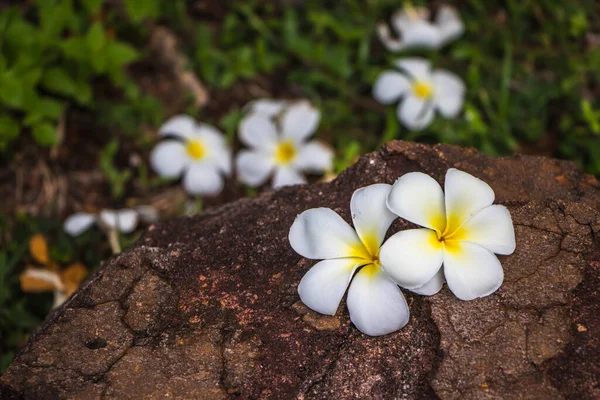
{"x": 421, "y": 91}
{"x": 50, "y": 277}
{"x": 277, "y": 135}
{"x": 415, "y": 30}
{"x": 376, "y": 304}
{"x": 462, "y": 230}
{"x": 199, "y": 152}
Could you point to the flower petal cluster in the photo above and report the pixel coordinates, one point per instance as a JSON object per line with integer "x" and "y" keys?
{"x": 414, "y": 29}
{"x": 462, "y": 229}
{"x": 277, "y": 136}
{"x": 420, "y": 91}
{"x": 199, "y": 152}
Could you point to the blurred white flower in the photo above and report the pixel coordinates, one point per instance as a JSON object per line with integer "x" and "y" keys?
{"x": 124, "y": 220}
{"x": 279, "y": 147}
{"x": 421, "y": 91}
{"x": 268, "y": 107}
{"x": 415, "y": 30}
{"x": 199, "y": 152}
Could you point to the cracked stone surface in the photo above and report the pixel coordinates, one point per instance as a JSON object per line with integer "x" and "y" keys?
{"x": 207, "y": 308}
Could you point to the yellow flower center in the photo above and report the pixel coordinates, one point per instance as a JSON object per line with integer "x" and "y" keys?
{"x": 195, "y": 149}
{"x": 422, "y": 89}
{"x": 285, "y": 152}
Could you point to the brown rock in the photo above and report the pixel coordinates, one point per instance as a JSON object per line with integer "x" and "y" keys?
{"x": 207, "y": 308}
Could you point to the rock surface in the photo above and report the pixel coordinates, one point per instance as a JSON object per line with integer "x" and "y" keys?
{"x": 207, "y": 308}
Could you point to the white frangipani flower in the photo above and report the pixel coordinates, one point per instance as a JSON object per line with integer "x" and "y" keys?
{"x": 415, "y": 30}
{"x": 462, "y": 230}
{"x": 420, "y": 91}
{"x": 279, "y": 146}
{"x": 199, "y": 152}
{"x": 376, "y": 304}
{"x": 124, "y": 220}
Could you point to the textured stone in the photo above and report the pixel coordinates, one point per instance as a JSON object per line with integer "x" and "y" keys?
{"x": 207, "y": 307}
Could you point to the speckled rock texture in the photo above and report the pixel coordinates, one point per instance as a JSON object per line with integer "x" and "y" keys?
{"x": 207, "y": 308}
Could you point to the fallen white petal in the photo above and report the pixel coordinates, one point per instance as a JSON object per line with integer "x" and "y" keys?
{"x": 471, "y": 271}
{"x": 52, "y": 278}
{"x": 421, "y": 34}
{"x": 203, "y": 180}
{"x": 124, "y": 220}
{"x": 418, "y": 198}
{"x": 432, "y": 287}
{"x": 412, "y": 257}
{"x": 268, "y": 107}
{"x": 415, "y": 113}
{"x": 287, "y": 176}
{"x": 390, "y": 86}
{"x": 449, "y": 24}
{"x": 78, "y": 223}
{"x": 148, "y": 214}
{"x": 320, "y": 233}
{"x": 465, "y": 196}
{"x": 324, "y": 285}
{"x": 370, "y": 216}
{"x": 299, "y": 121}
{"x": 491, "y": 228}
{"x": 449, "y": 92}
{"x": 376, "y": 304}
{"x": 254, "y": 167}
{"x": 258, "y": 131}
{"x": 169, "y": 158}
{"x": 416, "y": 67}
{"x": 182, "y": 126}
{"x": 314, "y": 157}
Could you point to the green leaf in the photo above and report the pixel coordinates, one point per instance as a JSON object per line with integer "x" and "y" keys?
{"x": 57, "y": 80}
{"x": 75, "y": 49}
{"x": 45, "y": 134}
{"x": 141, "y": 9}
{"x": 95, "y": 39}
{"x": 119, "y": 54}
{"x": 92, "y": 6}
{"x": 9, "y": 130}
{"x": 12, "y": 93}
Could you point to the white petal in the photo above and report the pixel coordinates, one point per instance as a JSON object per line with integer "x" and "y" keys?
{"x": 370, "y": 215}
{"x": 180, "y": 126}
{"x": 412, "y": 257}
{"x": 376, "y": 304}
{"x": 314, "y": 157}
{"x": 432, "y": 287}
{"x": 320, "y": 233}
{"x": 39, "y": 274}
{"x": 491, "y": 228}
{"x": 449, "y": 92}
{"x": 471, "y": 271}
{"x": 389, "y": 41}
{"x": 415, "y": 113}
{"x": 210, "y": 135}
{"x": 390, "y": 86}
{"x": 449, "y": 24}
{"x": 267, "y": 107}
{"x": 169, "y": 158}
{"x": 324, "y": 285}
{"x": 416, "y": 67}
{"x": 287, "y": 176}
{"x": 299, "y": 121}
{"x": 258, "y": 131}
{"x": 254, "y": 167}
{"x": 124, "y": 220}
{"x": 465, "y": 196}
{"x": 78, "y": 223}
{"x": 421, "y": 34}
{"x": 218, "y": 152}
{"x": 418, "y": 198}
{"x": 203, "y": 180}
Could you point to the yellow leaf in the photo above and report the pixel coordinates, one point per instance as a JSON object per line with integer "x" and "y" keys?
{"x": 38, "y": 247}
{"x": 73, "y": 276}
{"x": 35, "y": 280}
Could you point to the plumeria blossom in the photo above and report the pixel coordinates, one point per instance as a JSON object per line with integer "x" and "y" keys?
{"x": 421, "y": 92}
{"x": 199, "y": 152}
{"x": 462, "y": 230}
{"x": 376, "y": 304}
{"x": 415, "y": 30}
{"x": 124, "y": 220}
{"x": 49, "y": 276}
{"x": 277, "y": 135}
